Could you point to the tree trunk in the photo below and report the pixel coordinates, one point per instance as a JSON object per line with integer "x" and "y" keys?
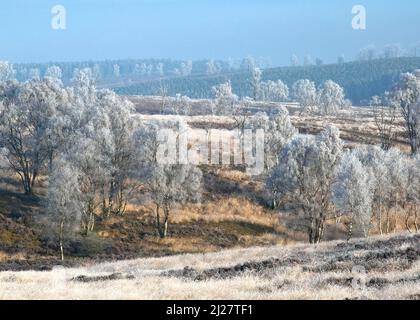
{"x": 158, "y": 225}
{"x": 380, "y": 217}
{"x": 350, "y": 230}
{"x": 61, "y": 239}
{"x": 165, "y": 230}
{"x": 407, "y": 221}
{"x": 395, "y": 214}
{"x": 316, "y": 231}
{"x": 91, "y": 221}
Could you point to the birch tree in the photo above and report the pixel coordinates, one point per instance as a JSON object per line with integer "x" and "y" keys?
{"x": 275, "y": 91}
{"x": 406, "y": 97}
{"x": 304, "y": 177}
{"x": 64, "y": 200}
{"x": 27, "y": 124}
{"x": 353, "y": 192}
{"x": 304, "y": 92}
{"x": 255, "y": 83}
{"x": 330, "y": 97}
{"x": 169, "y": 186}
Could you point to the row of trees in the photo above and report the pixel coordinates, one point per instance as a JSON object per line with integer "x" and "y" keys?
{"x": 404, "y": 100}
{"x": 117, "y": 70}
{"x": 320, "y": 180}
{"x": 392, "y": 50}
{"x": 368, "y": 53}
{"x": 90, "y": 145}
{"x": 368, "y": 184}
{"x": 323, "y": 183}
{"x": 329, "y": 98}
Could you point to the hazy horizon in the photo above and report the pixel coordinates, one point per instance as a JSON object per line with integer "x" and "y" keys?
{"x": 196, "y": 30}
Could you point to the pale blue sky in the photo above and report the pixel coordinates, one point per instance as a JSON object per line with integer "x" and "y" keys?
{"x": 196, "y": 29}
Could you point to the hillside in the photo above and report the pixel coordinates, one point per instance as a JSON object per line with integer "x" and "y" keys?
{"x": 377, "y": 268}
{"x": 361, "y": 80}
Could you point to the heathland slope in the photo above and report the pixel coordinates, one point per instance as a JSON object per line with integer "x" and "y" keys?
{"x": 376, "y": 268}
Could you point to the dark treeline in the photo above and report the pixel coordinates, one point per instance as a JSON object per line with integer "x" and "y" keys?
{"x": 360, "y": 79}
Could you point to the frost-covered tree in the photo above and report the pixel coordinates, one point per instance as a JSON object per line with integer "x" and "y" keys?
{"x": 86, "y": 156}
{"x": 64, "y": 203}
{"x": 171, "y": 185}
{"x": 304, "y": 92}
{"x": 6, "y": 71}
{"x": 34, "y": 74}
{"x": 186, "y": 67}
{"x": 385, "y": 118}
{"x": 212, "y": 67}
{"x": 181, "y": 105}
{"x": 277, "y": 134}
{"x": 54, "y": 72}
{"x": 392, "y": 183}
{"x": 115, "y": 140}
{"x": 27, "y": 125}
{"x": 406, "y": 97}
{"x": 397, "y": 166}
{"x": 83, "y": 78}
{"x": 224, "y": 99}
{"x": 116, "y": 71}
{"x": 274, "y": 91}
{"x": 411, "y": 203}
{"x": 146, "y": 144}
{"x": 330, "y": 97}
{"x": 159, "y": 69}
{"x": 392, "y": 51}
{"x": 139, "y": 69}
{"x": 248, "y": 64}
{"x": 304, "y": 177}
{"x": 294, "y": 61}
{"x": 367, "y": 54}
{"x": 163, "y": 94}
{"x": 166, "y": 185}
{"x": 255, "y": 83}
{"x": 415, "y": 49}
{"x": 373, "y": 158}
{"x": 354, "y": 191}
{"x": 96, "y": 72}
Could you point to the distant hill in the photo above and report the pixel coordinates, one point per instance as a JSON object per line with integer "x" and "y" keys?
{"x": 361, "y": 80}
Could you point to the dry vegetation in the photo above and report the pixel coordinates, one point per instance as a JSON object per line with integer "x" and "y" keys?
{"x": 233, "y": 212}
{"x": 378, "y": 268}
{"x": 356, "y": 124}
{"x": 231, "y": 245}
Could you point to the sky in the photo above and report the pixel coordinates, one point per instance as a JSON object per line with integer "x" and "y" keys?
{"x": 201, "y": 29}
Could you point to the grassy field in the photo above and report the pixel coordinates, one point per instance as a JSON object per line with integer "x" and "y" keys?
{"x": 356, "y": 124}
{"x": 231, "y": 245}
{"x": 377, "y": 268}
{"x": 233, "y": 212}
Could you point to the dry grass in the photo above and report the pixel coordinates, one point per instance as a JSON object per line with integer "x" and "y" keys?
{"x": 324, "y": 271}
